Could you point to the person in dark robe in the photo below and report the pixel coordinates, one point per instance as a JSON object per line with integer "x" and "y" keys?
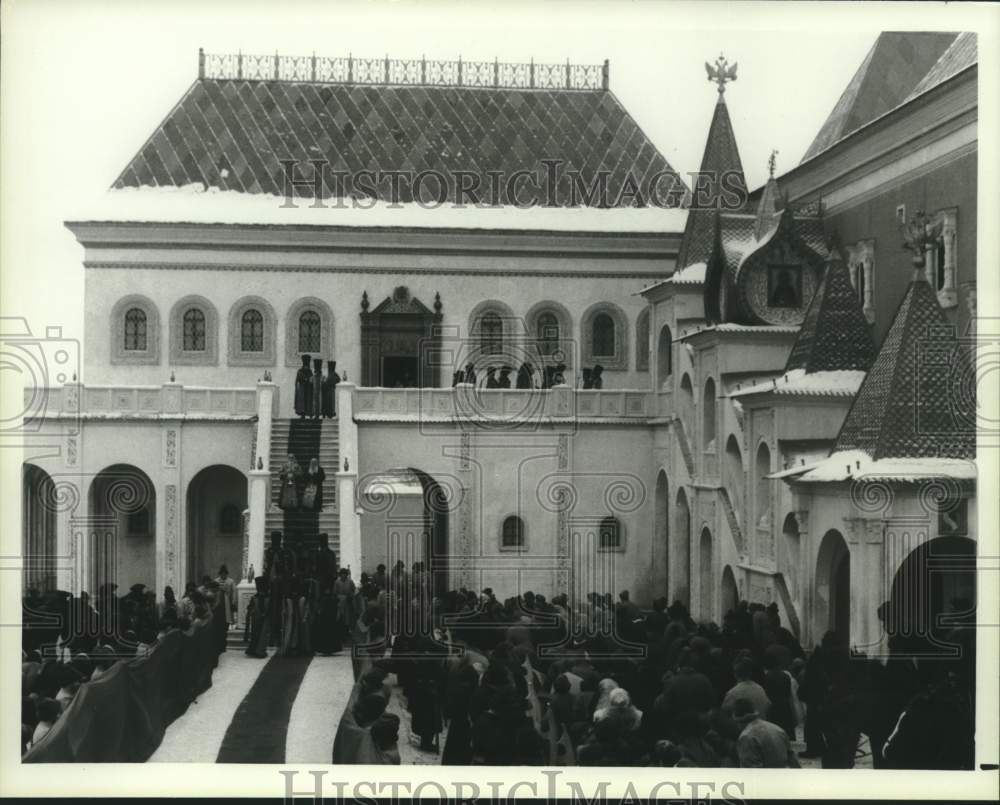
{"x": 326, "y": 635}
{"x": 324, "y": 560}
{"x": 456, "y": 378}
{"x": 460, "y": 685}
{"x": 559, "y": 375}
{"x": 547, "y": 377}
{"x": 380, "y": 578}
{"x": 345, "y": 591}
{"x": 259, "y": 622}
{"x": 316, "y": 388}
{"x": 525, "y": 376}
{"x": 312, "y": 495}
{"x": 303, "y": 389}
{"x": 289, "y": 491}
{"x": 424, "y": 697}
{"x": 588, "y": 378}
{"x": 330, "y": 390}
{"x": 503, "y": 382}
{"x": 470, "y": 374}
{"x": 598, "y": 377}
{"x": 491, "y": 378}
{"x": 277, "y": 558}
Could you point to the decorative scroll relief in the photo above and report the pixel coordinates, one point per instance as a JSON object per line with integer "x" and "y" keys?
{"x": 562, "y": 521}
{"x": 170, "y": 542}
{"x": 170, "y": 447}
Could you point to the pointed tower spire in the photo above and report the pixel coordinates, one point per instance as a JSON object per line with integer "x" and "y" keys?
{"x": 834, "y": 335}
{"x": 720, "y": 184}
{"x": 917, "y": 401}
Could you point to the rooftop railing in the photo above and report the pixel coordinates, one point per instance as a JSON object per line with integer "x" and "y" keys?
{"x": 403, "y": 72}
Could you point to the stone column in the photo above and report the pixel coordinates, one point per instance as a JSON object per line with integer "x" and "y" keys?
{"x": 865, "y": 540}
{"x": 347, "y": 480}
{"x": 258, "y": 490}
{"x": 266, "y": 410}
{"x": 171, "y": 548}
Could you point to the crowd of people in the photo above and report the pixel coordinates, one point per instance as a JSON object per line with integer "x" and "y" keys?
{"x": 530, "y": 681}
{"x": 68, "y": 640}
{"x": 528, "y": 376}
{"x": 316, "y": 393}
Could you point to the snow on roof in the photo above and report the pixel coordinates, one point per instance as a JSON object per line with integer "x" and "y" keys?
{"x": 858, "y": 465}
{"x": 194, "y": 203}
{"x": 693, "y": 274}
{"x": 833, "y": 383}
{"x": 744, "y": 329}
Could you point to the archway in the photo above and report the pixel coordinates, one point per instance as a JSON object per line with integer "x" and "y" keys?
{"x": 790, "y": 530}
{"x": 705, "y": 575}
{"x": 664, "y": 357}
{"x": 762, "y": 516}
{"x": 38, "y": 519}
{"x": 729, "y": 593}
{"x": 708, "y": 416}
{"x": 734, "y": 475}
{"x": 661, "y": 528}
{"x": 679, "y": 581}
{"x": 832, "y": 607}
{"x": 932, "y": 601}
{"x": 216, "y": 499}
{"x": 123, "y": 540}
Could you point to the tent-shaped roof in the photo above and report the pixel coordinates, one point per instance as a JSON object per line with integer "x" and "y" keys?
{"x": 834, "y": 334}
{"x": 918, "y": 399}
{"x": 963, "y": 53}
{"x": 894, "y": 66}
{"x": 720, "y": 162}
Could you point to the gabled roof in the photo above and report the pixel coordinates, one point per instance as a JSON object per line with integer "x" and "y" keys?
{"x": 894, "y": 66}
{"x": 720, "y": 159}
{"x": 918, "y": 399}
{"x": 834, "y": 334}
{"x": 232, "y": 134}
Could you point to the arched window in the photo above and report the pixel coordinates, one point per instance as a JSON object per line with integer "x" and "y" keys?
{"x": 642, "y": 341}
{"x": 230, "y": 519}
{"x": 603, "y": 336}
{"x": 708, "y": 420}
{"x": 194, "y": 330}
{"x": 310, "y": 329}
{"x": 491, "y": 334}
{"x": 548, "y": 334}
{"x": 664, "y": 358}
{"x": 610, "y": 533}
{"x": 512, "y": 533}
{"x": 252, "y": 331}
{"x": 135, "y": 330}
{"x": 763, "y": 468}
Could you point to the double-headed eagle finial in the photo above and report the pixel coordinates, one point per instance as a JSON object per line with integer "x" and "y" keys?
{"x": 772, "y": 162}
{"x": 722, "y": 72}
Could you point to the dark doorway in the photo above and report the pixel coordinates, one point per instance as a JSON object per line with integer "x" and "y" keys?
{"x": 400, "y": 371}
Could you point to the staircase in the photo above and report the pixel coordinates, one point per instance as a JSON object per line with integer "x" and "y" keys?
{"x": 685, "y": 447}
{"x": 305, "y": 439}
{"x": 732, "y": 518}
{"x": 786, "y": 604}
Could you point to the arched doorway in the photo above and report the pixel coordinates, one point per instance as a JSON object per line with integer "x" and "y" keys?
{"x": 705, "y": 575}
{"x": 216, "y": 499}
{"x": 932, "y": 601}
{"x": 664, "y": 357}
{"x": 123, "y": 538}
{"x": 790, "y": 531}
{"x": 38, "y": 519}
{"x": 679, "y": 581}
{"x": 832, "y": 607}
{"x": 406, "y": 519}
{"x": 734, "y": 476}
{"x": 729, "y": 593}
{"x": 400, "y": 342}
{"x": 661, "y": 529}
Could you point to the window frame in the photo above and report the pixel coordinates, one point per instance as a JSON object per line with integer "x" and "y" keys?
{"x": 242, "y": 357}
{"x": 522, "y": 547}
{"x": 186, "y": 357}
{"x": 620, "y": 360}
{"x": 118, "y": 354}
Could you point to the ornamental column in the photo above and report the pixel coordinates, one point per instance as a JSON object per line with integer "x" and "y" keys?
{"x": 347, "y": 480}
{"x": 258, "y": 491}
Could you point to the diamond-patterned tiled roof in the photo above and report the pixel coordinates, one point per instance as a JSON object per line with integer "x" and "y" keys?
{"x": 963, "y": 53}
{"x": 918, "y": 399}
{"x": 232, "y": 134}
{"x": 721, "y": 157}
{"x": 895, "y": 65}
{"x": 834, "y": 334}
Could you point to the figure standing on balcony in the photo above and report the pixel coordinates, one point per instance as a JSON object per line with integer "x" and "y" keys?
{"x": 317, "y": 389}
{"x": 588, "y": 378}
{"x": 491, "y": 378}
{"x": 525, "y": 376}
{"x": 303, "y": 389}
{"x": 503, "y": 382}
{"x": 470, "y": 374}
{"x": 330, "y": 390}
{"x": 597, "y": 375}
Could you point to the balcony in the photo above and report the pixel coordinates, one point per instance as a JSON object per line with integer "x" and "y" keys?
{"x": 169, "y": 401}
{"x": 503, "y": 406}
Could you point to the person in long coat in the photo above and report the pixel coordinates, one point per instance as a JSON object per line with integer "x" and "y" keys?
{"x": 345, "y": 591}
{"x": 424, "y": 697}
{"x": 290, "y": 477}
{"x": 460, "y": 685}
{"x": 330, "y": 390}
{"x": 260, "y": 619}
{"x": 597, "y": 376}
{"x": 503, "y": 382}
{"x": 317, "y": 388}
{"x": 303, "y": 389}
{"x": 227, "y": 589}
{"x": 312, "y": 495}
{"x": 325, "y": 632}
{"x": 291, "y": 617}
{"x": 525, "y": 376}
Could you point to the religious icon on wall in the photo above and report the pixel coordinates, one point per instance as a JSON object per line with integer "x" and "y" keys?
{"x": 784, "y": 286}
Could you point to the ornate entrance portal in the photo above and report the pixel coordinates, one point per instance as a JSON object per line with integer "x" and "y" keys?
{"x": 400, "y": 342}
